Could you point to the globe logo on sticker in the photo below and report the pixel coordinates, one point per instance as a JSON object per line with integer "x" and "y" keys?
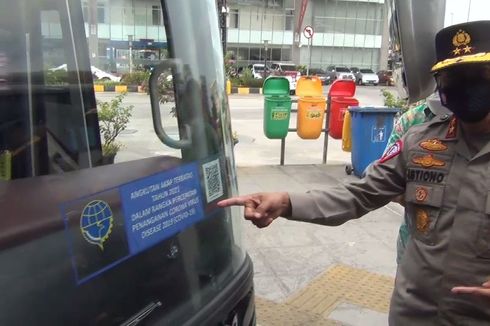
{"x": 96, "y": 222}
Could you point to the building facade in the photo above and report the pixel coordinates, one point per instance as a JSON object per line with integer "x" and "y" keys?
{"x": 350, "y": 33}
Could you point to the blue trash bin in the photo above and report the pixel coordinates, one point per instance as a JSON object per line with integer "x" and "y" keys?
{"x": 371, "y": 129}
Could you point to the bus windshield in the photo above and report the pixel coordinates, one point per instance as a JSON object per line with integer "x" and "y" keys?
{"x": 115, "y": 145}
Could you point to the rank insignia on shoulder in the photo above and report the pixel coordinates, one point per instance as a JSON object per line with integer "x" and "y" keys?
{"x": 393, "y": 151}
{"x": 434, "y": 145}
{"x": 428, "y": 161}
{"x": 423, "y": 220}
{"x": 452, "y": 130}
{"x": 421, "y": 194}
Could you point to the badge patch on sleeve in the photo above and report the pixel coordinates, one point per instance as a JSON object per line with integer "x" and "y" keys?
{"x": 421, "y": 194}
{"x": 428, "y": 161}
{"x": 392, "y": 152}
{"x": 433, "y": 145}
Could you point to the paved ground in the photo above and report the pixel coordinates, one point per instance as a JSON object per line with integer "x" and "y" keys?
{"x": 341, "y": 273}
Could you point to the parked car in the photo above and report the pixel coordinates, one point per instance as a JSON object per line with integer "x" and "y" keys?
{"x": 96, "y": 72}
{"x": 257, "y": 70}
{"x": 338, "y": 72}
{"x": 289, "y": 71}
{"x": 102, "y": 75}
{"x": 367, "y": 77}
{"x": 386, "y": 77}
{"x": 356, "y": 72}
{"x": 320, "y": 73}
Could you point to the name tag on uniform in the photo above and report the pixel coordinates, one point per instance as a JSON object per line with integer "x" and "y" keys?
{"x": 423, "y": 175}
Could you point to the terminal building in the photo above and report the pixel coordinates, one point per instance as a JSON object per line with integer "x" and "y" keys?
{"x": 346, "y": 32}
{"x": 350, "y": 33}
{"x": 116, "y": 28}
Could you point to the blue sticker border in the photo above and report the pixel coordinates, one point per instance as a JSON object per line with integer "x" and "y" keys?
{"x": 62, "y": 207}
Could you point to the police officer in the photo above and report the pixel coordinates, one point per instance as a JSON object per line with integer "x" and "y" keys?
{"x": 443, "y": 170}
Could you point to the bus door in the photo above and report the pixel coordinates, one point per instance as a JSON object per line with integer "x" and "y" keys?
{"x": 97, "y": 232}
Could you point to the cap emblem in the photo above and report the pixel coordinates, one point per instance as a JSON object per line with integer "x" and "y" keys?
{"x": 461, "y": 43}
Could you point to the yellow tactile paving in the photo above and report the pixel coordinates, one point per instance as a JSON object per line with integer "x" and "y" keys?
{"x": 344, "y": 284}
{"x": 274, "y": 314}
{"x": 313, "y": 304}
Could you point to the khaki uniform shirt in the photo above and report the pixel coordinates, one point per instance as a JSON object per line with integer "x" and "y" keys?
{"x": 447, "y": 193}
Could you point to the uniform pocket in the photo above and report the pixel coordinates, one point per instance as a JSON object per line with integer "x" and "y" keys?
{"x": 423, "y": 205}
{"x": 483, "y": 238}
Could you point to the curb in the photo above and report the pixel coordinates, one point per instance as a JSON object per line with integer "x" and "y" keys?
{"x": 246, "y": 90}
{"x": 118, "y": 88}
{"x": 98, "y": 88}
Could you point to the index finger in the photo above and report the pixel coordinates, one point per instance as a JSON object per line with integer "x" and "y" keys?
{"x": 233, "y": 201}
{"x": 471, "y": 290}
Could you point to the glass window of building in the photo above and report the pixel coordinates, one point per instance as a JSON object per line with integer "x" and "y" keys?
{"x": 243, "y": 54}
{"x": 101, "y": 13}
{"x": 255, "y": 54}
{"x": 275, "y": 54}
{"x": 140, "y": 16}
{"x": 156, "y": 15}
{"x": 234, "y": 18}
{"x": 289, "y": 19}
{"x": 286, "y": 54}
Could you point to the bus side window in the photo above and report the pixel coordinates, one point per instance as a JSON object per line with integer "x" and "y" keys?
{"x": 65, "y": 133}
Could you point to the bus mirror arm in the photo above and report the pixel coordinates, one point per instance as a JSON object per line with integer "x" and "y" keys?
{"x": 155, "y": 108}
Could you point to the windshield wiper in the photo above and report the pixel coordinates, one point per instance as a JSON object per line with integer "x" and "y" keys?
{"x": 142, "y": 314}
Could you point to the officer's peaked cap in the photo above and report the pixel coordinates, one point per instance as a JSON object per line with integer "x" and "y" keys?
{"x": 466, "y": 43}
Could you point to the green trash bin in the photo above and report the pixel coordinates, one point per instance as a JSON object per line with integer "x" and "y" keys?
{"x": 277, "y": 107}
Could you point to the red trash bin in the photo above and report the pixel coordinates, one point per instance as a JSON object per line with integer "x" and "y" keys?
{"x": 341, "y": 97}
{"x": 338, "y": 106}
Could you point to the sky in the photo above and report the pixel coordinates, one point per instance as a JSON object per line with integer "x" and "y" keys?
{"x": 457, "y": 11}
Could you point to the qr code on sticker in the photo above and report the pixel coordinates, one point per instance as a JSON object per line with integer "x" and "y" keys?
{"x": 212, "y": 180}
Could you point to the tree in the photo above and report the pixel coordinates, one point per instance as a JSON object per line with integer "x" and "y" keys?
{"x": 113, "y": 119}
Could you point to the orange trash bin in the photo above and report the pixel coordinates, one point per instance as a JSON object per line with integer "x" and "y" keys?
{"x": 311, "y": 107}
{"x": 347, "y": 133}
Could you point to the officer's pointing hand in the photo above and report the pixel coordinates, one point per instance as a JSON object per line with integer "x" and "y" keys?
{"x": 261, "y": 208}
{"x": 483, "y": 290}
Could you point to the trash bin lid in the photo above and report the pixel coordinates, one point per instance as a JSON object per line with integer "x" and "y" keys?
{"x": 275, "y": 85}
{"x": 342, "y": 87}
{"x": 309, "y": 86}
{"x": 373, "y": 109}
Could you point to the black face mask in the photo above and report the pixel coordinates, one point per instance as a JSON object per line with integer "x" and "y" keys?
{"x": 466, "y": 93}
{"x": 468, "y": 104}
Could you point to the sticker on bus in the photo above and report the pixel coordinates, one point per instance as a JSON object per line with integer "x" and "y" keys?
{"x": 159, "y": 206}
{"x": 106, "y": 228}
